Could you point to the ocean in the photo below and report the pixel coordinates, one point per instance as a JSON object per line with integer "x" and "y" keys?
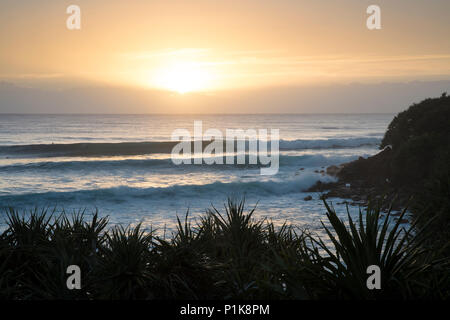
{"x": 120, "y": 165}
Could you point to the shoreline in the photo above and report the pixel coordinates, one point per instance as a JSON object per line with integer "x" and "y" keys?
{"x": 364, "y": 180}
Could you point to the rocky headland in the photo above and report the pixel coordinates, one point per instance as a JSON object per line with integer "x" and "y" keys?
{"x": 415, "y": 153}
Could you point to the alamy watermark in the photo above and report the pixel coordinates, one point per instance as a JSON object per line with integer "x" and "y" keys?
{"x": 73, "y": 22}
{"x": 208, "y": 147}
{"x": 74, "y": 280}
{"x": 373, "y": 21}
{"x": 374, "y": 279}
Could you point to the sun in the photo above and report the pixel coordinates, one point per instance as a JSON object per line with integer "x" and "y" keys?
{"x": 183, "y": 77}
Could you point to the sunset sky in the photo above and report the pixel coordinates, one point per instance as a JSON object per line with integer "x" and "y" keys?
{"x": 205, "y": 47}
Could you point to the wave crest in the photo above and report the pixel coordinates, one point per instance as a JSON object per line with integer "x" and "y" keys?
{"x": 164, "y": 147}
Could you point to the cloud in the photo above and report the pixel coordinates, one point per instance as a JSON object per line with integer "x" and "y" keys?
{"x": 275, "y": 67}
{"x": 32, "y": 76}
{"x": 387, "y": 97}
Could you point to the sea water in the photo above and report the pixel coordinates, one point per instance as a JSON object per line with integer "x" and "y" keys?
{"x": 119, "y": 164}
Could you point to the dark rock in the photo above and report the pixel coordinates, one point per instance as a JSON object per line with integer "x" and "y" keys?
{"x": 333, "y": 170}
{"x": 308, "y": 198}
{"x": 373, "y": 170}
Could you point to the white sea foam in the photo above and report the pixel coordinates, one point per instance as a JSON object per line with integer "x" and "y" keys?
{"x": 121, "y": 163}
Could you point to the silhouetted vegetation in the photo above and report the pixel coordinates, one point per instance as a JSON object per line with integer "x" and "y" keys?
{"x": 420, "y": 140}
{"x": 420, "y": 161}
{"x": 223, "y": 255}
{"x": 413, "y": 168}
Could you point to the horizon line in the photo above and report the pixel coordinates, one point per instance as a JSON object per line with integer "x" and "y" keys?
{"x": 191, "y": 114}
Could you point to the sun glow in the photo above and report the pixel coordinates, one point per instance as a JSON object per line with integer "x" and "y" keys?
{"x": 183, "y": 77}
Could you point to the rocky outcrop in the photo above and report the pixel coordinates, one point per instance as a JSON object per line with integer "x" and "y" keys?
{"x": 362, "y": 180}
{"x": 374, "y": 171}
{"x": 415, "y": 153}
{"x": 333, "y": 170}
